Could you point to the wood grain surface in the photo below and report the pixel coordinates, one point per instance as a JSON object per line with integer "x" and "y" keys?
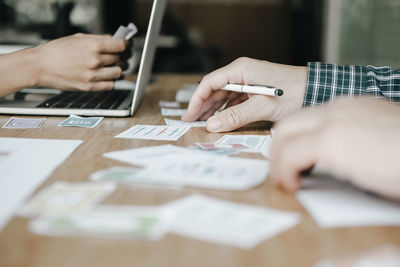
{"x": 302, "y": 245}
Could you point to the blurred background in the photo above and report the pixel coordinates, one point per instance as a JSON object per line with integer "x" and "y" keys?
{"x": 199, "y": 36}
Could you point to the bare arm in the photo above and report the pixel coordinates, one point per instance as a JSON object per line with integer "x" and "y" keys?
{"x": 77, "y": 62}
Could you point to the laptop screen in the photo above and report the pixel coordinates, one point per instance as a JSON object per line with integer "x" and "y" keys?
{"x": 149, "y": 49}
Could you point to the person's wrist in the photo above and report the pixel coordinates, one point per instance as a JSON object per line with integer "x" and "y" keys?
{"x": 300, "y": 74}
{"x": 293, "y": 80}
{"x": 32, "y": 67}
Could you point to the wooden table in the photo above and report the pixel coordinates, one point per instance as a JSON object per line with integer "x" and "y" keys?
{"x": 302, "y": 245}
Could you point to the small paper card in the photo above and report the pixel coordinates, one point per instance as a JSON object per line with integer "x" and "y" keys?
{"x": 23, "y": 123}
{"x": 76, "y": 121}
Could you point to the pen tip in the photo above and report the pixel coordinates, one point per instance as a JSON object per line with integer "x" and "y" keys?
{"x": 279, "y": 92}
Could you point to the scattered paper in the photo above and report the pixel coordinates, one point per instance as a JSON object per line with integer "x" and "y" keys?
{"x": 336, "y": 204}
{"x": 220, "y": 152}
{"x": 133, "y": 176}
{"x": 122, "y": 222}
{"x": 77, "y": 121}
{"x": 116, "y": 174}
{"x": 186, "y": 123}
{"x": 18, "y": 182}
{"x": 178, "y": 166}
{"x": 172, "y": 111}
{"x": 214, "y": 146}
{"x": 184, "y": 94}
{"x": 255, "y": 143}
{"x": 169, "y": 104}
{"x": 223, "y": 173}
{"x": 23, "y": 123}
{"x": 62, "y": 198}
{"x": 147, "y": 156}
{"x": 383, "y": 256}
{"x": 154, "y": 132}
{"x": 228, "y": 223}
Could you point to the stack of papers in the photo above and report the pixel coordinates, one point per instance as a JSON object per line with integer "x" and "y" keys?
{"x": 172, "y": 111}
{"x": 184, "y": 94}
{"x": 169, "y": 104}
{"x": 178, "y": 166}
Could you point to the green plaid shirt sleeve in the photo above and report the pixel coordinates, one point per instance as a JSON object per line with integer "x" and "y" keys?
{"x": 327, "y": 81}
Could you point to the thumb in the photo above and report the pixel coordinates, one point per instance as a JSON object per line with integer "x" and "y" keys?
{"x": 237, "y": 116}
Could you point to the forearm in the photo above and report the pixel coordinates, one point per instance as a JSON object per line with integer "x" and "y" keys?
{"x": 327, "y": 81}
{"x": 18, "y": 70}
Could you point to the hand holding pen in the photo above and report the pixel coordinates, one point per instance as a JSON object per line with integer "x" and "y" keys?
{"x": 240, "y": 88}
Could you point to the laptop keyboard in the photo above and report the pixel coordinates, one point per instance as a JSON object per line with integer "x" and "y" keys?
{"x": 86, "y": 100}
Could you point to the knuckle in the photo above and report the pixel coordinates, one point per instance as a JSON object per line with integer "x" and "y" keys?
{"x": 88, "y": 76}
{"x": 95, "y": 47}
{"x": 206, "y": 79}
{"x": 86, "y": 87}
{"x": 234, "y": 117}
{"x": 94, "y": 63}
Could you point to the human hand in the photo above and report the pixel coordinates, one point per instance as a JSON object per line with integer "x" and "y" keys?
{"x": 356, "y": 141}
{"x": 81, "y": 61}
{"x": 244, "y": 108}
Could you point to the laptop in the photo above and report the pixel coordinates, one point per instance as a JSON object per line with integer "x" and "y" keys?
{"x": 114, "y": 103}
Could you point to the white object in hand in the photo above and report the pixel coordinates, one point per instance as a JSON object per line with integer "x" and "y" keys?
{"x": 253, "y": 89}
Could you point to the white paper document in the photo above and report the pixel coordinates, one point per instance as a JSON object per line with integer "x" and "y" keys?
{"x": 383, "y": 256}
{"x": 169, "y": 104}
{"x": 184, "y": 94}
{"x": 180, "y": 166}
{"x": 148, "y": 156}
{"x": 223, "y": 173}
{"x": 255, "y": 143}
{"x": 172, "y": 111}
{"x": 122, "y": 222}
{"x": 154, "y": 132}
{"x": 24, "y": 166}
{"x": 228, "y": 223}
{"x": 186, "y": 123}
{"x": 23, "y": 123}
{"x": 336, "y": 204}
{"x": 62, "y": 198}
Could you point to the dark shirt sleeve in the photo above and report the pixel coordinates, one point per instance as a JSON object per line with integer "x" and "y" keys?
{"x": 326, "y": 81}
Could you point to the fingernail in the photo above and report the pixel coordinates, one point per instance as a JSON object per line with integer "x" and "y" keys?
{"x": 213, "y": 124}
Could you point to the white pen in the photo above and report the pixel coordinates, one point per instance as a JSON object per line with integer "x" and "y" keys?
{"x": 253, "y": 89}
